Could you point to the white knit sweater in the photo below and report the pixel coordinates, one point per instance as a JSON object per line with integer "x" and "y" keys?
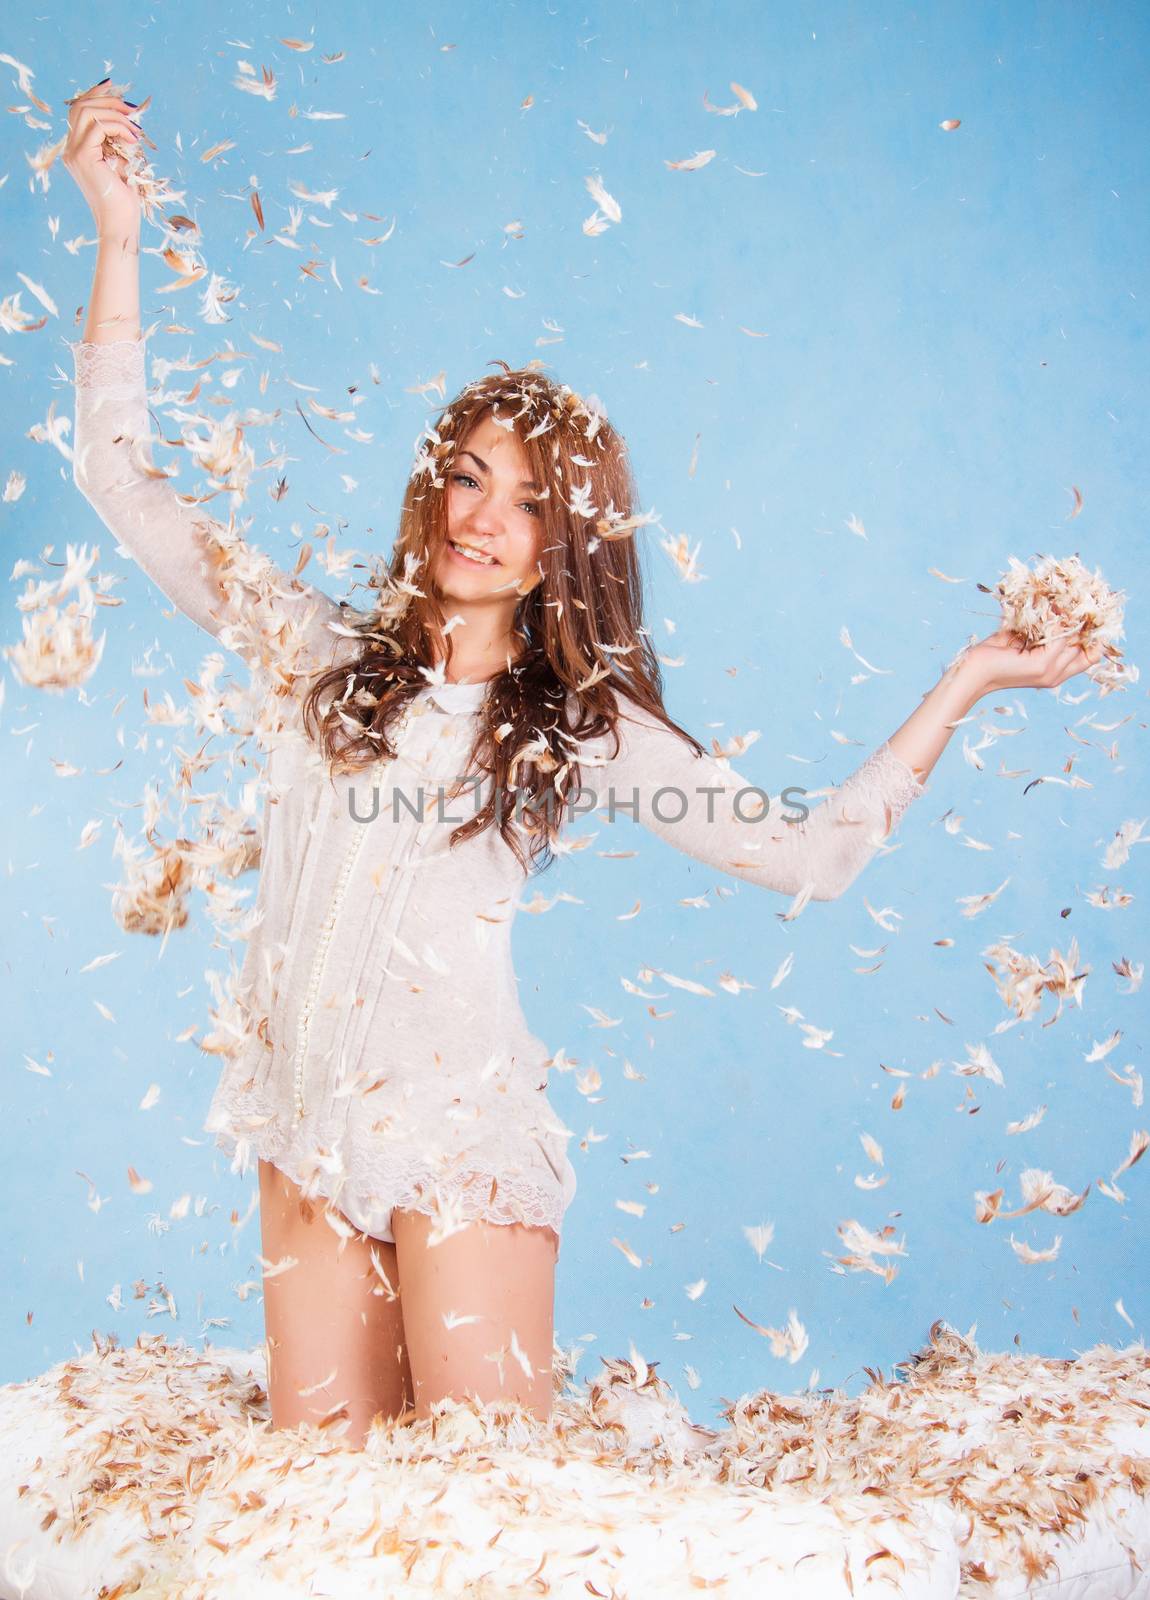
{"x": 387, "y": 1061}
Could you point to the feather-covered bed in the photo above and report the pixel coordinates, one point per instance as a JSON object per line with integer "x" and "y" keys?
{"x": 152, "y": 1471}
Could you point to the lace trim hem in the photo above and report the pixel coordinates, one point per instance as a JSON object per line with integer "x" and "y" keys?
{"x": 117, "y": 364}
{"x": 478, "y": 1195}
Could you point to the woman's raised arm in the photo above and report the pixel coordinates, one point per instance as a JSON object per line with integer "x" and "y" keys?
{"x": 694, "y": 802}
{"x": 705, "y": 808}
{"x": 182, "y": 549}
{"x": 260, "y": 612}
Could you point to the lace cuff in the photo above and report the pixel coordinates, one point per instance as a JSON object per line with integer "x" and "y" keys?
{"x": 118, "y": 364}
{"x": 890, "y": 776}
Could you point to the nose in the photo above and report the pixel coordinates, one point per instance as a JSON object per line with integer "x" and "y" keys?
{"x": 485, "y": 517}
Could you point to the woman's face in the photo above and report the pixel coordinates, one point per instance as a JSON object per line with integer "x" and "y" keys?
{"x": 493, "y": 509}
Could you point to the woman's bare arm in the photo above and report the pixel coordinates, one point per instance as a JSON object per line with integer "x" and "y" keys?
{"x": 996, "y": 664}
{"x": 114, "y": 304}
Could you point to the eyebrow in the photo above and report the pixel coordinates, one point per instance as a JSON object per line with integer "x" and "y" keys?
{"x": 524, "y": 483}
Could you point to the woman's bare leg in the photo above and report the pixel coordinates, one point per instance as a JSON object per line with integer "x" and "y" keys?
{"x": 333, "y": 1324}
{"x": 503, "y": 1276}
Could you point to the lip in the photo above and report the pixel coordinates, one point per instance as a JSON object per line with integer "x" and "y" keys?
{"x": 462, "y": 561}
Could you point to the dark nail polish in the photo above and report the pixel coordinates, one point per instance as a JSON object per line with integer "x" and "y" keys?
{"x": 104, "y": 80}
{"x": 133, "y": 103}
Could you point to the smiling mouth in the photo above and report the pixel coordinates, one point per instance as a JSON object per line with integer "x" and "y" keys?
{"x": 475, "y": 557}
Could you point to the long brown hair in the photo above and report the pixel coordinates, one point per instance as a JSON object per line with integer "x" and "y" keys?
{"x": 577, "y": 636}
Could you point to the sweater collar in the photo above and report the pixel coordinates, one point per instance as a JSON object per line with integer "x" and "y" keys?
{"x": 456, "y": 697}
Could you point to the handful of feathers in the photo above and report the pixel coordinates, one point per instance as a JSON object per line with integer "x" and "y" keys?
{"x": 1061, "y": 598}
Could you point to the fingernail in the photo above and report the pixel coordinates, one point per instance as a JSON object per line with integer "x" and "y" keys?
{"x": 133, "y": 103}
{"x": 104, "y": 80}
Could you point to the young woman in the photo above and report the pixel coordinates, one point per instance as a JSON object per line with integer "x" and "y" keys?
{"x": 413, "y": 1176}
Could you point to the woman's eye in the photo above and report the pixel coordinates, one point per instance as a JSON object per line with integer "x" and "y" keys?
{"x": 465, "y": 478}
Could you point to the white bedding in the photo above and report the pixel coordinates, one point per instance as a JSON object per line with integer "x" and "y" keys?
{"x": 152, "y": 1472}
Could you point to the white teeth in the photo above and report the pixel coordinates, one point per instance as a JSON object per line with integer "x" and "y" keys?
{"x": 482, "y": 561}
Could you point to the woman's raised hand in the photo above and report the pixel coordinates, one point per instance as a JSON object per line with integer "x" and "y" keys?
{"x": 95, "y": 120}
{"x": 999, "y": 662}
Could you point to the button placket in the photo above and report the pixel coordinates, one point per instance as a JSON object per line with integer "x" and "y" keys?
{"x": 409, "y": 839}
{"x": 327, "y": 930}
{"x": 440, "y": 763}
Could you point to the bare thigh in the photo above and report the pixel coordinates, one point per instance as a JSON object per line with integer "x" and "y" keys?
{"x": 479, "y": 1309}
{"x": 334, "y": 1324}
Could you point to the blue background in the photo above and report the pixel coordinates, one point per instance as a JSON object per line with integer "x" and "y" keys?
{"x": 955, "y": 334}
